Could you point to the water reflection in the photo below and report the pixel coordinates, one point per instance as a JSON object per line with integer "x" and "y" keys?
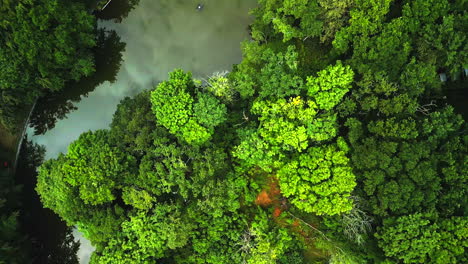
{"x": 50, "y": 240}
{"x": 56, "y": 106}
{"x": 160, "y": 35}
{"x": 117, "y": 10}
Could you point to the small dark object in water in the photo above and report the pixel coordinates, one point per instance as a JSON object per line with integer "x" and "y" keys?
{"x": 199, "y": 7}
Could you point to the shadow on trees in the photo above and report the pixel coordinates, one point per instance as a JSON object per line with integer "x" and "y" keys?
{"x": 456, "y": 93}
{"x": 117, "y": 10}
{"x": 56, "y": 106}
{"x": 49, "y": 239}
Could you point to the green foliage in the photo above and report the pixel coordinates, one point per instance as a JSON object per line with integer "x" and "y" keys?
{"x": 283, "y": 122}
{"x": 319, "y": 181}
{"x": 428, "y": 30}
{"x": 334, "y": 14}
{"x": 176, "y": 109}
{"x": 220, "y": 86}
{"x": 151, "y": 235}
{"x": 417, "y": 239}
{"x": 153, "y": 197}
{"x": 94, "y": 167}
{"x": 393, "y": 128}
{"x": 365, "y": 19}
{"x": 65, "y": 32}
{"x": 285, "y": 127}
{"x": 442, "y": 41}
{"x": 163, "y": 170}
{"x": 404, "y": 176}
{"x": 217, "y": 235}
{"x": 291, "y": 18}
{"x": 265, "y": 243}
{"x": 331, "y": 84}
{"x": 293, "y": 125}
{"x": 411, "y": 239}
{"x": 253, "y": 150}
{"x": 171, "y": 102}
{"x": 11, "y": 238}
{"x": 266, "y": 72}
{"x": 407, "y": 150}
{"x": 82, "y": 186}
{"x": 213, "y": 174}
{"x": 133, "y": 125}
{"x": 208, "y": 111}
{"x": 139, "y": 199}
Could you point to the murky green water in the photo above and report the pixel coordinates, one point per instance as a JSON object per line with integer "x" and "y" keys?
{"x": 160, "y": 35}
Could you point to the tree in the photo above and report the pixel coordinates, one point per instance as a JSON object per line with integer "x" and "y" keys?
{"x": 442, "y": 40}
{"x": 11, "y": 240}
{"x": 418, "y": 239}
{"x": 185, "y": 117}
{"x": 295, "y": 124}
{"x": 150, "y": 236}
{"x": 334, "y": 14}
{"x": 366, "y": 19}
{"x": 133, "y": 125}
{"x": 220, "y": 86}
{"x": 49, "y": 239}
{"x": 319, "y": 181}
{"x": 54, "y": 106}
{"x": 66, "y": 34}
{"x": 95, "y": 168}
{"x": 140, "y": 194}
{"x": 82, "y": 186}
{"x": 258, "y": 165}
{"x": 265, "y": 243}
{"x": 407, "y": 148}
{"x": 291, "y": 18}
{"x": 267, "y": 73}
{"x": 421, "y": 165}
{"x": 208, "y": 111}
{"x": 331, "y": 84}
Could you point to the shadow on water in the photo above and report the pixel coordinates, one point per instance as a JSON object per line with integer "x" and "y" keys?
{"x": 56, "y": 106}
{"x": 458, "y": 98}
{"x": 49, "y": 239}
{"x": 117, "y": 10}
{"x": 456, "y": 93}
{"x": 160, "y": 35}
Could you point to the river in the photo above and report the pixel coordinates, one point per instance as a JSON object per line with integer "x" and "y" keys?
{"x": 160, "y": 36}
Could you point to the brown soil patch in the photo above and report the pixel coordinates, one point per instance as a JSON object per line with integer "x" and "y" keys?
{"x": 296, "y": 223}
{"x": 277, "y": 212}
{"x": 263, "y": 199}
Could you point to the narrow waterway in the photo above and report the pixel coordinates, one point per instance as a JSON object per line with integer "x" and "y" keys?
{"x": 160, "y": 35}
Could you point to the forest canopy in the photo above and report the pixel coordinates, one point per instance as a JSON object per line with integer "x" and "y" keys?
{"x": 43, "y": 45}
{"x": 331, "y": 142}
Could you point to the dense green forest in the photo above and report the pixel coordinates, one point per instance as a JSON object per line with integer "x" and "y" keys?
{"x": 30, "y": 233}
{"x": 331, "y": 142}
{"x": 44, "y": 44}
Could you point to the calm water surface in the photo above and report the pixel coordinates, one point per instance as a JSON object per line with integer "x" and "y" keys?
{"x": 160, "y": 35}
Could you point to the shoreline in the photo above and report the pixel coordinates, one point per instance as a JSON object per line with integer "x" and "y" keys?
{"x": 10, "y": 147}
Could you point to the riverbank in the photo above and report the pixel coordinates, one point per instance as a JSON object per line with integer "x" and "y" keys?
{"x": 10, "y": 142}
{"x": 159, "y": 36}
{"x": 6, "y": 139}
